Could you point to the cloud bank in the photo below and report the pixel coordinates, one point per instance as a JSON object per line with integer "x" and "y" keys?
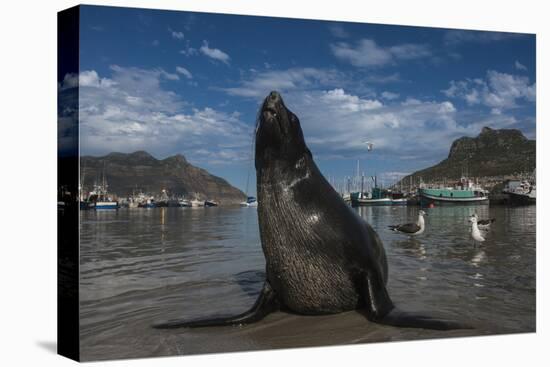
{"x": 133, "y": 110}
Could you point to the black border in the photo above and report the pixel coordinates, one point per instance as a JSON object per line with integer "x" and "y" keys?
{"x": 68, "y": 328}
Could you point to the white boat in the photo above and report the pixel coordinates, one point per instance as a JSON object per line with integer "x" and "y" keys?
{"x": 209, "y": 203}
{"x": 347, "y": 197}
{"x": 184, "y": 203}
{"x": 521, "y": 193}
{"x": 197, "y": 203}
{"x": 369, "y": 201}
{"x": 250, "y": 202}
{"x": 99, "y": 198}
{"x": 106, "y": 205}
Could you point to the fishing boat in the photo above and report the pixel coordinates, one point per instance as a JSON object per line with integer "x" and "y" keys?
{"x": 347, "y": 198}
{"x": 197, "y": 203}
{"x": 184, "y": 203}
{"x": 163, "y": 201}
{"x": 99, "y": 198}
{"x": 146, "y": 202}
{"x": 106, "y": 204}
{"x": 377, "y": 196}
{"x": 464, "y": 192}
{"x": 399, "y": 201}
{"x": 208, "y": 203}
{"x": 521, "y": 193}
{"x": 250, "y": 202}
{"x": 132, "y": 204}
{"x": 398, "y": 198}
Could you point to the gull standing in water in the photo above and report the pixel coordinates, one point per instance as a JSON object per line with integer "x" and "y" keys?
{"x": 412, "y": 229}
{"x": 476, "y": 234}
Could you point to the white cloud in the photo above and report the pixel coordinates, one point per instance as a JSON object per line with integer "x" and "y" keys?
{"x": 184, "y": 71}
{"x": 131, "y": 111}
{"x": 169, "y": 76}
{"x": 498, "y": 91}
{"x": 214, "y": 53}
{"x": 85, "y": 79}
{"x": 410, "y": 51}
{"x": 178, "y": 35}
{"x": 338, "y": 31}
{"x": 520, "y": 66}
{"x": 339, "y": 99}
{"x": 258, "y": 85}
{"x": 190, "y": 51}
{"x": 366, "y": 53}
{"x": 389, "y": 95}
{"x": 384, "y": 79}
{"x": 456, "y": 37}
{"x": 338, "y": 123}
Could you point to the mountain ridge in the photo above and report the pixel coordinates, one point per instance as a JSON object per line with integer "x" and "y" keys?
{"x": 494, "y": 153}
{"x": 127, "y": 172}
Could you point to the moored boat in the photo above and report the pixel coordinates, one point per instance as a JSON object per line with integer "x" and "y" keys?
{"x": 102, "y": 205}
{"x": 378, "y": 196}
{"x": 99, "y": 198}
{"x": 347, "y": 198}
{"x": 250, "y": 202}
{"x": 465, "y": 192}
{"x": 208, "y": 203}
{"x": 147, "y": 202}
{"x": 522, "y": 193}
{"x": 184, "y": 203}
{"x": 398, "y": 198}
{"x": 197, "y": 203}
{"x": 399, "y": 201}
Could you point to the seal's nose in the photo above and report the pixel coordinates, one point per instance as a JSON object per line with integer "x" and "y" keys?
{"x": 274, "y": 96}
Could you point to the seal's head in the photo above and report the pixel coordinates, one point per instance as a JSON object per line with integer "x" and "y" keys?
{"x": 279, "y": 136}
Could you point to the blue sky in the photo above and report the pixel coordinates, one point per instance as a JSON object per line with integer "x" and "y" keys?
{"x": 191, "y": 83}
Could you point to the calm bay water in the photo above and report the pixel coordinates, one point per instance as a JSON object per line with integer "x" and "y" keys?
{"x": 143, "y": 266}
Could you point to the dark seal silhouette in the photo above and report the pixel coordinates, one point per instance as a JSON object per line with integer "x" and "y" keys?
{"x": 321, "y": 257}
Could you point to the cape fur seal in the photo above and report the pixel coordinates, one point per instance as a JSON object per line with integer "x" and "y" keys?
{"x": 321, "y": 256}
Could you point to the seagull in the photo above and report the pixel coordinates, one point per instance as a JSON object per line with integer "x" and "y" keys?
{"x": 412, "y": 229}
{"x": 483, "y": 223}
{"x": 476, "y": 234}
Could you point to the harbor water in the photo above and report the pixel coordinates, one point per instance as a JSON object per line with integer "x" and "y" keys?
{"x": 143, "y": 266}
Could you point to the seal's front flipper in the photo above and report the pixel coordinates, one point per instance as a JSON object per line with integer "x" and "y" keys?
{"x": 376, "y": 298}
{"x": 266, "y": 303}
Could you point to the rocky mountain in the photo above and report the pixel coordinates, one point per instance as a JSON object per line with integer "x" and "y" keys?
{"x": 126, "y": 172}
{"x": 493, "y": 153}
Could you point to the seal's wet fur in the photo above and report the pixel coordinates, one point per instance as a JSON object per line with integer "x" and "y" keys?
{"x": 321, "y": 257}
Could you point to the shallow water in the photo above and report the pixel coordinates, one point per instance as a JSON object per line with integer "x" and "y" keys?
{"x": 144, "y": 266}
